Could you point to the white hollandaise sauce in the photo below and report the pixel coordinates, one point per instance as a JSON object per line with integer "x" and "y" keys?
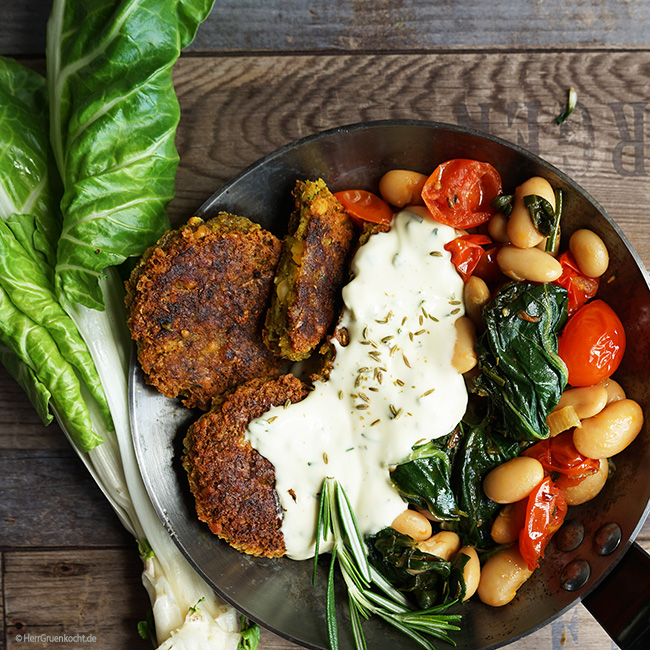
{"x": 391, "y": 387}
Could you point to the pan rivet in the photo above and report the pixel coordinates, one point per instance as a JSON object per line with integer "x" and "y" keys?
{"x": 607, "y": 538}
{"x": 575, "y": 575}
{"x": 570, "y": 536}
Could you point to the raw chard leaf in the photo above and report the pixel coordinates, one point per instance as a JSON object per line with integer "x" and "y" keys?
{"x": 521, "y": 372}
{"x": 29, "y": 181}
{"x": 39, "y": 352}
{"x": 114, "y": 115}
{"x": 29, "y": 287}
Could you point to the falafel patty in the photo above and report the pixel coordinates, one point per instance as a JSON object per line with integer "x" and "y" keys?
{"x": 197, "y": 302}
{"x": 233, "y": 485}
{"x": 312, "y": 269}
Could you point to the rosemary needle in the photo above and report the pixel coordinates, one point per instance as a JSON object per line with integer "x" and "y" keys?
{"x": 336, "y": 522}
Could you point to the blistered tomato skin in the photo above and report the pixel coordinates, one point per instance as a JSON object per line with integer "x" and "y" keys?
{"x": 592, "y": 344}
{"x": 460, "y": 191}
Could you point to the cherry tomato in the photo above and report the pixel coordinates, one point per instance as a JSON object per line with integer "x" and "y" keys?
{"x": 460, "y": 191}
{"x": 487, "y": 268}
{"x": 466, "y": 253}
{"x": 545, "y": 513}
{"x": 365, "y": 206}
{"x": 559, "y": 455}
{"x": 580, "y": 288}
{"x": 592, "y": 344}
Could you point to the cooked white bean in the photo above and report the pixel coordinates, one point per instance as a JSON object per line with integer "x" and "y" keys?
{"x": 413, "y": 524}
{"x": 501, "y": 577}
{"x": 589, "y": 487}
{"x": 421, "y": 211}
{"x": 401, "y": 187}
{"x": 530, "y": 264}
{"x": 614, "y": 390}
{"x": 610, "y": 431}
{"x": 587, "y": 401}
{"x": 475, "y": 296}
{"x": 513, "y": 480}
{"x": 471, "y": 571}
{"x": 443, "y": 544}
{"x": 464, "y": 357}
{"x": 498, "y": 228}
{"x": 507, "y": 524}
{"x": 590, "y": 252}
{"x": 521, "y": 230}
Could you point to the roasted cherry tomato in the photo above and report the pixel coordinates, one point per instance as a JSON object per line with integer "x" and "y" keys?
{"x": 545, "y": 513}
{"x": 580, "y": 288}
{"x": 460, "y": 191}
{"x": 592, "y": 344}
{"x": 466, "y": 253}
{"x": 559, "y": 455}
{"x": 365, "y": 206}
{"x": 487, "y": 268}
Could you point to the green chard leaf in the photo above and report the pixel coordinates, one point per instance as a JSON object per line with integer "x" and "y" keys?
{"x": 542, "y": 214}
{"x": 33, "y": 344}
{"x": 29, "y": 181}
{"x": 114, "y": 114}
{"x": 425, "y": 480}
{"x": 250, "y": 634}
{"x": 480, "y": 449}
{"x": 29, "y": 287}
{"x": 521, "y": 372}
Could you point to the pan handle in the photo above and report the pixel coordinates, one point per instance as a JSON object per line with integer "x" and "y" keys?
{"x": 621, "y": 603}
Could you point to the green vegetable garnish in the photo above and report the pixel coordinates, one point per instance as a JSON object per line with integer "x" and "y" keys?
{"x": 336, "y": 522}
{"x": 250, "y": 634}
{"x": 572, "y": 99}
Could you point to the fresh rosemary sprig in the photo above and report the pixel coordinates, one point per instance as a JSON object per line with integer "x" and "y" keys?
{"x": 336, "y": 523}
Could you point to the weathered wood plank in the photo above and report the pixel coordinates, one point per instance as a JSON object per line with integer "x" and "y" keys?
{"x": 50, "y": 595}
{"x": 384, "y": 25}
{"x": 236, "y": 109}
{"x": 20, "y": 426}
{"x": 3, "y": 643}
{"x": 50, "y": 499}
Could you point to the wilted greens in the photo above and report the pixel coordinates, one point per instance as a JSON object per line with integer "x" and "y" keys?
{"x": 522, "y": 374}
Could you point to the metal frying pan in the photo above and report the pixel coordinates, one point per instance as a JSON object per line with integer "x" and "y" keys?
{"x": 278, "y": 593}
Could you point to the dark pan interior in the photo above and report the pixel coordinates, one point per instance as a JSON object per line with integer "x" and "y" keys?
{"x": 278, "y": 593}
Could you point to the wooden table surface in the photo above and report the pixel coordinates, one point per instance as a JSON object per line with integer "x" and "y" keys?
{"x": 256, "y": 78}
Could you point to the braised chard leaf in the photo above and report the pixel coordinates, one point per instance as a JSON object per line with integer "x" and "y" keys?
{"x": 480, "y": 449}
{"x": 425, "y": 479}
{"x": 429, "y": 579}
{"x": 521, "y": 372}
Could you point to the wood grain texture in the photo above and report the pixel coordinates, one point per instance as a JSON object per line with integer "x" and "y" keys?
{"x": 270, "y": 101}
{"x": 74, "y": 599}
{"x": 378, "y": 25}
{"x": 234, "y": 110}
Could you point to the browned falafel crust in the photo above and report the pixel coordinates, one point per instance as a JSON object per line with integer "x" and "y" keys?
{"x": 197, "y": 302}
{"x": 312, "y": 269}
{"x": 233, "y": 485}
